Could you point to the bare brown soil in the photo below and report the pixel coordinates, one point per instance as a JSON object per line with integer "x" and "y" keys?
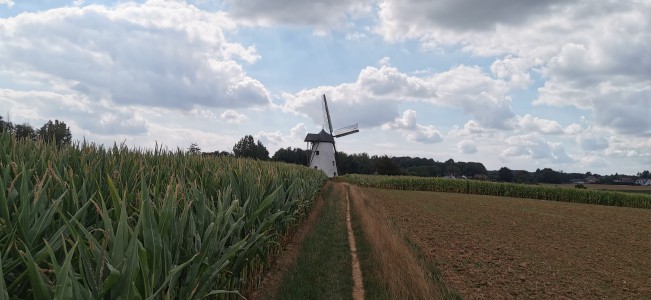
{"x": 272, "y": 281}
{"x": 397, "y": 266}
{"x": 494, "y": 247}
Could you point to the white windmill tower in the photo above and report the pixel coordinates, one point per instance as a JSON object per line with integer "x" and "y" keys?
{"x": 323, "y": 155}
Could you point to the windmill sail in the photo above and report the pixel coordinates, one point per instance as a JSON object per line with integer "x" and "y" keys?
{"x": 350, "y": 129}
{"x": 323, "y": 154}
{"x": 326, "y": 118}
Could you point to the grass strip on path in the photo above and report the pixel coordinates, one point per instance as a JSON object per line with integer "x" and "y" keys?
{"x": 323, "y": 268}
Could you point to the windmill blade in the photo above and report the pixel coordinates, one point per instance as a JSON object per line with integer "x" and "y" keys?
{"x": 327, "y": 114}
{"x": 350, "y": 129}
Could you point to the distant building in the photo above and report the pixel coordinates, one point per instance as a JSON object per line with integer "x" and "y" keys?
{"x": 591, "y": 179}
{"x": 627, "y": 180}
{"x": 643, "y": 182}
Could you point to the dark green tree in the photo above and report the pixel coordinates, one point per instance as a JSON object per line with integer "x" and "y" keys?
{"x": 505, "y": 174}
{"x": 364, "y": 163}
{"x": 262, "y": 152}
{"x": 385, "y": 166}
{"x": 452, "y": 169}
{"x": 247, "y": 147}
{"x": 57, "y": 132}
{"x": 24, "y": 131}
{"x": 548, "y": 175}
{"x": 6, "y": 125}
{"x": 292, "y": 156}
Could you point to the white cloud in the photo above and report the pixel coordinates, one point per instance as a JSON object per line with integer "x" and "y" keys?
{"x": 470, "y": 129}
{"x": 591, "y": 54}
{"x": 413, "y": 131}
{"x": 272, "y": 138}
{"x": 9, "y": 3}
{"x": 96, "y": 117}
{"x": 534, "y": 147}
{"x": 384, "y": 61}
{"x": 531, "y": 123}
{"x": 627, "y": 146}
{"x": 298, "y": 132}
{"x": 233, "y": 117}
{"x": 475, "y": 93}
{"x": 157, "y": 54}
{"x": 374, "y": 97}
{"x": 513, "y": 69}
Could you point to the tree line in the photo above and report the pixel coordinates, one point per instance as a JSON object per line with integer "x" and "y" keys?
{"x": 358, "y": 163}
{"x": 362, "y": 163}
{"x": 51, "y": 132}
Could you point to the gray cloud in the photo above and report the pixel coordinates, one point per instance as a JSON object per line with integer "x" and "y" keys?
{"x": 130, "y": 54}
{"x": 319, "y": 13}
{"x": 464, "y": 14}
{"x": 467, "y": 147}
{"x": 592, "y": 142}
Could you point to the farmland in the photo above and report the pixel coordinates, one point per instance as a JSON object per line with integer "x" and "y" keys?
{"x": 89, "y": 222}
{"x": 451, "y": 245}
{"x": 502, "y": 247}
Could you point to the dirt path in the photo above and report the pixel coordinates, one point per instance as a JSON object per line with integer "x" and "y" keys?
{"x": 358, "y": 288}
{"x": 270, "y": 284}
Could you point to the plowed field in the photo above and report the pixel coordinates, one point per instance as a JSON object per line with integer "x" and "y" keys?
{"x": 494, "y": 247}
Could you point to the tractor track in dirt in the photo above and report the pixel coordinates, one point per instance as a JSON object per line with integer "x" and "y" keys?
{"x": 358, "y": 288}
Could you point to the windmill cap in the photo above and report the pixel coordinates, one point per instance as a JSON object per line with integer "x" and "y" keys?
{"x": 319, "y": 137}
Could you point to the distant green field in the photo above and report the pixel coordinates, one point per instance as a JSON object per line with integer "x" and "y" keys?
{"x": 607, "y": 187}
{"x": 540, "y": 192}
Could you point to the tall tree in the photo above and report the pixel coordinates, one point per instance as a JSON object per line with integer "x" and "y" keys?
{"x": 247, "y": 147}
{"x": 292, "y": 156}
{"x": 57, "y": 132}
{"x": 385, "y": 166}
{"x": 548, "y": 175}
{"x": 24, "y": 131}
{"x": 5, "y": 125}
{"x": 505, "y": 174}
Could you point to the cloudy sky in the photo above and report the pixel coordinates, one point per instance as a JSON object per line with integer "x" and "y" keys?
{"x": 519, "y": 83}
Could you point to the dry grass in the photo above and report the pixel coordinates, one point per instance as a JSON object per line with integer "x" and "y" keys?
{"x": 398, "y": 267}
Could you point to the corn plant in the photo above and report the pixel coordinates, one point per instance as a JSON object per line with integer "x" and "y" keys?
{"x": 89, "y": 222}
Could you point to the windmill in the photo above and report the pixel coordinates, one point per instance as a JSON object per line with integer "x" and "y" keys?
{"x": 323, "y": 154}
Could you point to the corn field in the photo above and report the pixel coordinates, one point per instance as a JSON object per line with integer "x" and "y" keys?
{"x": 501, "y": 189}
{"x": 88, "y": 222}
